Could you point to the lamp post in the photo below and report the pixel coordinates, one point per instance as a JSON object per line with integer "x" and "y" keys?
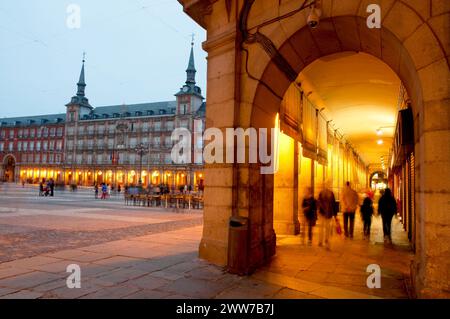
{"x": 141, "y": 150}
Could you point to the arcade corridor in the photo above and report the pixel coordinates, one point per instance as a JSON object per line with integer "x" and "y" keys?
{"x": 385, "y": 89}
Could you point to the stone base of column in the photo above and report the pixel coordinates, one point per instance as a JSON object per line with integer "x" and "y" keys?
{"x": 213, "y": 251}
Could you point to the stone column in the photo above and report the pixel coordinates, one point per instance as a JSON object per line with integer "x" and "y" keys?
{"x": 285, "y": 199}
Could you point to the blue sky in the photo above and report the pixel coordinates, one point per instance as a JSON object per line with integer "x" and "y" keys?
{"x": 136, "y": 51}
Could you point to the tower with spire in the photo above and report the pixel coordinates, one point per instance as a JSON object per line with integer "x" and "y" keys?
{"x": 189, "y": 97}
{"x": 79, "y": 103}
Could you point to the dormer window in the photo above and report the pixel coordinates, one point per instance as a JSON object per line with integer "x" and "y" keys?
{"x": 138, "y": 113}
{"x": 150, "y": 112}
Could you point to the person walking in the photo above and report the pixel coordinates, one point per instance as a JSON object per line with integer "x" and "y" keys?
{"x": 309, "y": 206}
{"x": 349, "y": 205}
{"x": 366, "y": 215}
{"x": 41, "y": 189}
{"x": 104, "y": 191}
{"x": 96, "y": 190}
{"x": 327, "y": 210}
{"x": 52, "y": 187}
{"x": 387, "y": 208}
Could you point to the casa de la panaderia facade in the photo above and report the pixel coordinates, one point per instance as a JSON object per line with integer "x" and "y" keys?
{"x": 118, "y": 144}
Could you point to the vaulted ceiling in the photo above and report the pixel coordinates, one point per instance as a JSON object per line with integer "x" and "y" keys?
{"x": 360, "y": 94}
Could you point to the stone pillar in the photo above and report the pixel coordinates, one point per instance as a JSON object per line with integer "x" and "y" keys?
{"x": 432, "y": 260}
{"x": 285, "y": 198}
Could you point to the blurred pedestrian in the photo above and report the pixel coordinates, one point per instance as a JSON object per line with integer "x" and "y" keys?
{"x": 349, "y": 205}
{"x": 327, "y": 210}
{"x": 387, "y": 208}
{"x": 309, "y": 207}
{"x": 366, "y": 215}
{"x": 104, "y": 191}
{"x": 96, "y": 190}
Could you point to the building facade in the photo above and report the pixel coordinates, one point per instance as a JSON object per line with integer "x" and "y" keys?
{"x": 118, "y": 145}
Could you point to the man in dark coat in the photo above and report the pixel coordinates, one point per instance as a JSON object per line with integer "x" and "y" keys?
{"x": 387, "y": 208}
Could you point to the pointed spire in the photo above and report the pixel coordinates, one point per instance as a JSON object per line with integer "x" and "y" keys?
{"x": 190, "y": 71}
{"x": 81, "y": 83}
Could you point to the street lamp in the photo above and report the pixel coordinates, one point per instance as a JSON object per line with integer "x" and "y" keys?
{"x": 141, "y": 150}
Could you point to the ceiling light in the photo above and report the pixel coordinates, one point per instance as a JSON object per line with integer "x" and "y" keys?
{"x": 380, "y": 142}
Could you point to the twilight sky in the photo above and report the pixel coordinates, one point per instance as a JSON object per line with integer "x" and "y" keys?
{"x": 136, "y": 51}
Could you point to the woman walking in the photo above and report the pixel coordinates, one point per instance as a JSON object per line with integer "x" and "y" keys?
{"x": 310, "y": 212}
{"x": 387, "y": 208}
{"x": 366, "y": 214}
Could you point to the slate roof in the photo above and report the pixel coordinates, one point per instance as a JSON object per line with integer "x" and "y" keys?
{"x": 33, "y": 120}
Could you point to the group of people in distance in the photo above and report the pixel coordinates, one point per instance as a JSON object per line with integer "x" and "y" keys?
{"x": 105, "y": 190}
{"x": 325, "y": 209}
{"x": 46, "y": 188}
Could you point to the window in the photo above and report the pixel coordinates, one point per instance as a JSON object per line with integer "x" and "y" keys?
{"x": 70, "y": 131}
{"x": 133, "y": 142}
{"x": 79, "y": 158}
{"x": 167, "y": 159}
{"x": 101, "y": 129}
{"x": 51, "y": 145}
{"x": 44, "y": 158}
{"x": 3, "y": 133}
{"x": 2, "y": 145}
{"x": 169, "y": 125}
{"x": 72, "y": 116}
{"x": 52, "y": 131}
{"x": 157, "y": 125}
{"x": 19, "y": 146}
{"x": 38, "y": 146}
{"x": 50, "y": 158}
{"x": 11, "y": 133}
{"x": 36, "y": 159}
{"x": 132, "y": 158}
{"x": 91, "y": 129}
{"x": 156, "y": 140}
{"x": 25, "y": 146}
{"x": 30, "y": 158}
{"x": 168, "y": 141}
{"x": 57, "y": 158}
{"x": 25, "y": 133}
{"x": 145, "y": 127}
{"x": 11, "y": 146}
{"x": 89, "y": 159}
{"x": 99, "y": 158}
{"x": 45, "y": 145}
{"x": 20, "y": 133}
{"x": 59, "y": 132}
{"x": 59, "y": 145}
{"x": 32, "y": 132}
{"x": 110, "y": 143}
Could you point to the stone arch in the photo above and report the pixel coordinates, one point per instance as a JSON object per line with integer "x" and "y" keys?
{"x": 413, "y": 41}
{"x": 417, "y": 56}
{"x": 9, "y": 168}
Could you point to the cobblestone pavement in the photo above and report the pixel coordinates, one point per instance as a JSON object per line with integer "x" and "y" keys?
{"x": 31, "y": 225}
{"x": 141, "y": 253}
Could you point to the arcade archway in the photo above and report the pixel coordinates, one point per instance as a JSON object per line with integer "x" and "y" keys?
{"x": 247, "y": 83}
{"x": 9, "y": 167}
